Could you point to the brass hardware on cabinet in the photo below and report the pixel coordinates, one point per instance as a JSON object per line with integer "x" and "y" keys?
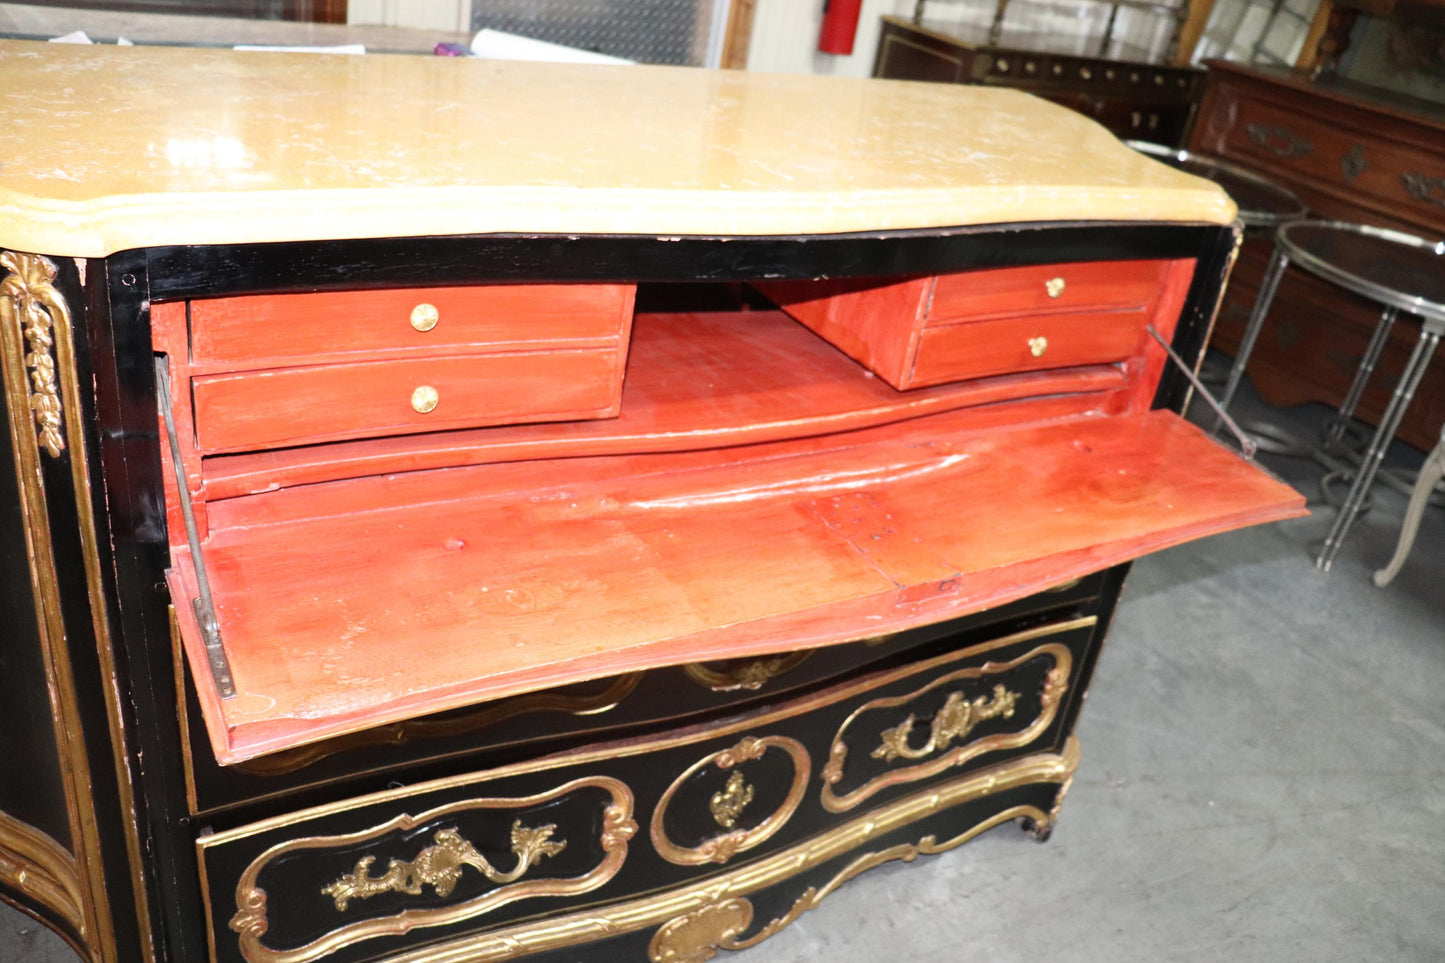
{"x": 425, "y": 316}
{"x": 952, "y": 723}
{"x": 1279, "y": 140}
{"x": 1037, "y": 346}
{"x": 948, "y": 745}
{"x": 1424, "y": 188}
{"x": 1055, "y": 287}
{"x": 728, "y": 803}
{"x": 753, "y": 674}
{"x": 1353, "y": 162}
{"x": 424, "y": 399}
{"x": 440, "y": 866}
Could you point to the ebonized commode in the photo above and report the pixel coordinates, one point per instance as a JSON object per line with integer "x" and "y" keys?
{"x": 557, "y": 615}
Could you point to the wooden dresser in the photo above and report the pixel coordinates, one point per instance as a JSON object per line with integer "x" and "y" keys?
{"x": 1351, "y": 153}
{"x": 1153, "y": 102}
{"x": 406, "y": 559}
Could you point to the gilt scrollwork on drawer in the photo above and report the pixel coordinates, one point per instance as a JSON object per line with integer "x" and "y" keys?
{"x": 734, "y": 805}
{"x": 751, "y": 674}
{"x": 942, "y": 727}
{"x": 440, "y": 866}
{"x": 455, "y": 876}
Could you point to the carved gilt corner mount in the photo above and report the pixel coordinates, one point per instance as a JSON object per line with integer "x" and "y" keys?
{"x": 28, "y": 298}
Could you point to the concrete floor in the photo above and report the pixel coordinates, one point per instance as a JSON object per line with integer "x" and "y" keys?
{"x": 1264, "y": 759}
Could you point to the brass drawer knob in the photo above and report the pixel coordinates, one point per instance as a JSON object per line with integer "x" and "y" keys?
{"x": 1055, "y": 287}
{"x": 424, "y": 399}
{"x": 424, "y": 317}
{"x": 1037, "y": 346}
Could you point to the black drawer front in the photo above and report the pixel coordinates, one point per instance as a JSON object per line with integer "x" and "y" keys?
{"x": 472, "y": 856}
{"x": 497, "y": 732}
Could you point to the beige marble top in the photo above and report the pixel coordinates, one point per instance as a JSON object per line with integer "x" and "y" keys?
{"x": 110, "y": 148}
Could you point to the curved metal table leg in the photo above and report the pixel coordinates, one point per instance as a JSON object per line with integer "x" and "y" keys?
{"x": 1430, "y": 475}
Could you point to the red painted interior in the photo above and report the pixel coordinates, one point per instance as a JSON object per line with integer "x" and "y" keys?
{"x": 758, "y": 492}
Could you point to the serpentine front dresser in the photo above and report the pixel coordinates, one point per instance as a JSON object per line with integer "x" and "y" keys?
{"x": 462, "y": 511}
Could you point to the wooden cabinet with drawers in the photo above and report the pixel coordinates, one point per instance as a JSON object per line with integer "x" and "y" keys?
{"x": 1351, "y": 153}
{"x": 649, "y": 620}
{"x": 1132, "y": 98}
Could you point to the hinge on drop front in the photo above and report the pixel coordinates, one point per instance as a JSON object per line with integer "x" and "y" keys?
{"x": 202, "y": 605}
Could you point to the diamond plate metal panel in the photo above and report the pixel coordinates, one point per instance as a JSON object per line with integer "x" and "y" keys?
{"x": 648, "y": 31}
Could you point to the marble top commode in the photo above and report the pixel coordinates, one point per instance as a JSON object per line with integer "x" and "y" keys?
{"x": 111, "y": 148}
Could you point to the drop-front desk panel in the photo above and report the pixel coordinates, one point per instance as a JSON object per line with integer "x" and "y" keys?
{"x": 487, "y": 590}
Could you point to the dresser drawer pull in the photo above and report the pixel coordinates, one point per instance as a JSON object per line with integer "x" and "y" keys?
{"x": 440, "y": 866}
{"x": 1424, "y": 188}
{"x": 425, "y": 316}
{"x": 1055, "y": 287}
{"x": 1279, "y": 140}
{"x": 424, "y": 399}
{"x": 1037, "y": 346}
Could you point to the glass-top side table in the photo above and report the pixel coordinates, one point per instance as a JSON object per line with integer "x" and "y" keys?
{"x": 1261, "y": 202}
{"x": 1398, "y": 271}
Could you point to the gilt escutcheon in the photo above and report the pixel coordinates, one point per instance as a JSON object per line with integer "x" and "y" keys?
{"x": 728, "y": 803}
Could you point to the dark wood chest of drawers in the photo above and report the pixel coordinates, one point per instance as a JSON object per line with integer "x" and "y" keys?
{"x": 1151, "y": 102}
{"x": 1351, "y": 154}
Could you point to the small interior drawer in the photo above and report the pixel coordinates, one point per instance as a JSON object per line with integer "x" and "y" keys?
{"x": 914, "y": 333}
{"x": 290, "y": 406}
{"x": 979, "y": 349}
{"x": 274, "y": 330}
{"x": 1090, "y": 285}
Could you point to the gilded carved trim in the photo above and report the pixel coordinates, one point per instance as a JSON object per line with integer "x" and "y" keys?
{"x": 607, "y": 752}
{"x": 37, "y": 367}
{"x": 397, "y": 734}
{"x": 952, "y": 723}
{"x": 37, "y": 307}
{"x": 662, "y": 909}
{"x": 561, "y": 930}
{"x": 721, "y": 848}
{"x": 752, "y": 674}
{"x": 440, "y": 866}
{"x": 250, "y": 921}
{"x": 697, "y": 936}
{"x": 36, "y": 865}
